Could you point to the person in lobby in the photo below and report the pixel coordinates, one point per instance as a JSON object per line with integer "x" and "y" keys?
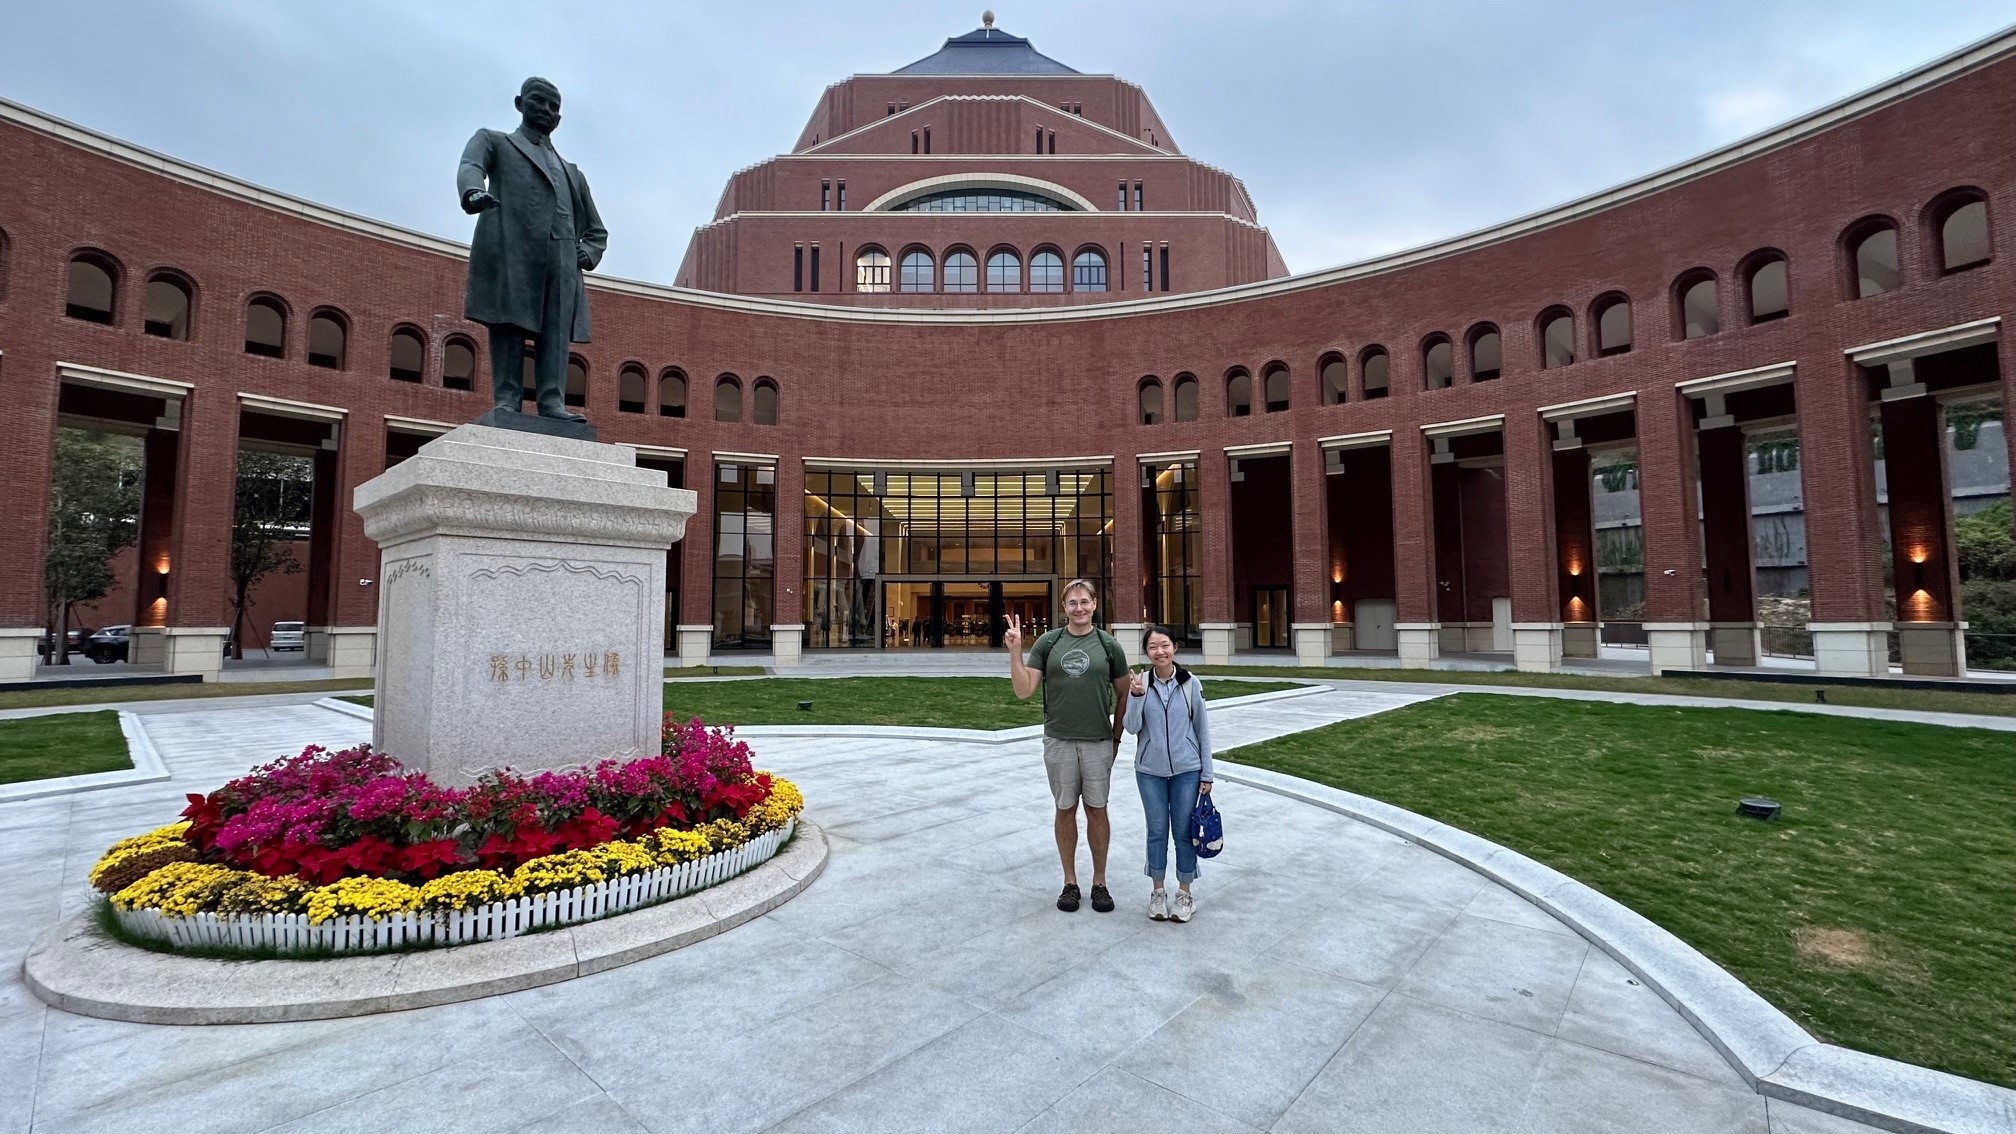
{"x": 1172, "y": 765}
{"x": 1083, "y": 674}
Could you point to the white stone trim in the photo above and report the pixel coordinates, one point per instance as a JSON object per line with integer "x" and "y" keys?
{"x": 288, "y": 407}
{"x": 744, "y": 458}
{"x": 888, "y": 201}
{"x": 1462, "y": 427}
{"x": 898, "y": 464}
{"x": 416, "y": 425}
{"x": 807, "y": 214}
{"x": 1971, "y": 333}
{"x": 1589, "y": 407}
{"x": 121, "y": 381}
{"x": 1168, "y": 458}
{"x": 1035, "y": 102}
{"x": 1735, "y": 381}
{"x": 1263, "y": 449}
{"x": 656, "y": 452}
{"x": 1370, "y": 439}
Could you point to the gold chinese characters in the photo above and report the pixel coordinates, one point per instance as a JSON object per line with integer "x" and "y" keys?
{"x": 587, "y": 666}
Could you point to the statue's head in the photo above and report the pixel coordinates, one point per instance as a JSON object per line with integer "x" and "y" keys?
{"x": 539, "y": 101}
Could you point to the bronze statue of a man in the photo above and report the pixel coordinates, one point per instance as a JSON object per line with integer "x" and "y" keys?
{"x": 536, "y": 232}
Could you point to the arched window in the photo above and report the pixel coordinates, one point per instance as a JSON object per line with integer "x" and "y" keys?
{"x": 1274, "y": 387}
{"x": 1088, "y": 271}
{"x": 1151, "y": 401}
{"x": 1004, "y": 271}
{"x": 265, "y": 327}
{"x": 919, "y": 273}
{"x": 1698, "y": 305}
{"x": 672, "y": 394}
{"x": 763, "y": 402}
{"x": 165, "y": 310}
{"x": 576, "y": 393}
{"x": 1332, "y": 376}
{"x": 1962, "y": 218}
{"x": 1613, "y": 325}
{"x": 458, "y": 364}
{"x": 1186, "y": 397}
{"x": 328, "y": 340}
{"x": 871, "y": 270}
{"x": 1557, "y": 338}
{"x": 1873, "y": 247}
{"x": 631, "y": 384}
{"x": 409, "y": 355}
{"x": 93, "y": 283}
{"x": 1376, "y": 368}
{"x": 727, "y": 398}
{"x": 1046, "y": 272}
{"x": 1487, "y": 353}
{"x": 962, "y": 271}
{"x": 1438, "y": 363}
{"x": 1238, "y": 394}
{"x": 1768, "y": 289}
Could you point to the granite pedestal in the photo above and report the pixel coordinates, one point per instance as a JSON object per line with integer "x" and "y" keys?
{"x": 521, "y": 602}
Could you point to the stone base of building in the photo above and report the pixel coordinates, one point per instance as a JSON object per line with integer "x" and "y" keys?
{"x": 521, "y": 602}
{"x": 1536, "y": 646}
{"x": 351, "y": 651}
{"x": 179, "y": 649}
{"x": 1735, "y": 643}
{"x": 1467, "y": 637}
{"x": 19, "y": 647}
{"x": 1851, "y": 649}
{"x": 315, "y": 643}
{"x": 1128, "y": 634}
{"x": 1933, "y": 649}
{"x": 695, "y": 642}
{"x": 1420, "y": 643}
{"x": 1343, "y": 637}
{"x": 1677, "y": 645}
{"x": 1218, "y": 637}
{"x": 1580, "y": 640}
{"x": 787, "y": 644}
{"x": 1312, "y": 642}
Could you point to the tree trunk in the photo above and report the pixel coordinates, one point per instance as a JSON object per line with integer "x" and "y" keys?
{"x": 60, "y": 645}
{"x": 238, "y": 624}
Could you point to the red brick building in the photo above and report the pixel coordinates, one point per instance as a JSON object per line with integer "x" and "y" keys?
{"x": 1388, "y": 456}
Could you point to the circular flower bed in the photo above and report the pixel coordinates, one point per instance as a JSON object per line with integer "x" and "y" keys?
{"x": 349, "y": 836}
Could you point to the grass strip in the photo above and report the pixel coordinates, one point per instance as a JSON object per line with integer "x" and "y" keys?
{"x": 930, "y": 702}
{"x": 1879, "y": 912}
{"x": 1873, "y": 697}
{"x": 116, "y": 694}
{"x": 61, "y": 744}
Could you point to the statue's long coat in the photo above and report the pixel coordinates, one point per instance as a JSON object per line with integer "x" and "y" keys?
{"x": 507, "y": 260}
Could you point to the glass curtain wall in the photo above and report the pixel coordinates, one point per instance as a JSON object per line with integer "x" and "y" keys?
{"x": 745, "y": 513}
{"x": 873, "y": 536}
{"x": 1172, "y": 545}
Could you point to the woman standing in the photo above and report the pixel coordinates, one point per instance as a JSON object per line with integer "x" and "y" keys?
{"x": 1172, "y": 764}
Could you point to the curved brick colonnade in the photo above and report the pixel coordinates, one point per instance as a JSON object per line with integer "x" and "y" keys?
{"x": 1437, "y": 501}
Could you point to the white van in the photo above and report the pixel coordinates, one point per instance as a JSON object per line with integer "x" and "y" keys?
{"x": 290, "y": 636}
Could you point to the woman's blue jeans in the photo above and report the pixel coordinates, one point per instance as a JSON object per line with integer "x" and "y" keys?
{"x": 1168, "y": 801}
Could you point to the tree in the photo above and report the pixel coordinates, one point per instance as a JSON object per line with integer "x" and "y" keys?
{"x": 94, "y": 507}
{"x": 1986, "y": 550}
{"x": 274, "y": 498}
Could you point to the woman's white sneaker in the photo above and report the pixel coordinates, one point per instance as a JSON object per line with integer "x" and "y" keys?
{"x": 1158, "y": 905}
{"x": 1185, "y": 906}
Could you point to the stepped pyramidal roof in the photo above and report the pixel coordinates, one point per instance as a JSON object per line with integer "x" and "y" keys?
{"x": 986, "y": 50}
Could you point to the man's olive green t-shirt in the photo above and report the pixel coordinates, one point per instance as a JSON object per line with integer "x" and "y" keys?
{"x": 1078, "y": 675}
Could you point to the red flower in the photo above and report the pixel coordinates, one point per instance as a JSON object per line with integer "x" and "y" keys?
{"x": 369, "y": 855}
{"x": 427, "y": 859}
{"x": 586, "y": 830}
{"x": 204, "y": 818}
{"x": 282, "y": 859}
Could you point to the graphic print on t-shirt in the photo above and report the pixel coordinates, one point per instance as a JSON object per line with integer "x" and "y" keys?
{"x": 1075, "y": 661}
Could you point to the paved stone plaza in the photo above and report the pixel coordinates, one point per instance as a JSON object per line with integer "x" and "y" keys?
{"x": 1336, "y": 978}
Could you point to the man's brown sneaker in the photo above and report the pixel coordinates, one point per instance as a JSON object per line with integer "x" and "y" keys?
{"x": 1068, "y": 900}
{"x": 1102, "y": 901}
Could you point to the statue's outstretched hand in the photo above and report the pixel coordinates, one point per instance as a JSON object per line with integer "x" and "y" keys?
{"x": 477, "y": 200}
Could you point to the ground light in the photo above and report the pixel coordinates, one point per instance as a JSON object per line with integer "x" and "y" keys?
{"x": 1758, "y": 807}
{"x": 805, "y": 706}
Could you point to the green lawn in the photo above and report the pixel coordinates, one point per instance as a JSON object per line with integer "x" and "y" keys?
{"x": 1871, "y": 697}
{"x": 98, "y": 695}
{"x": 1879, "y": 912}
{"x": 935, "y": 702}
{"x": 62, "y": 744}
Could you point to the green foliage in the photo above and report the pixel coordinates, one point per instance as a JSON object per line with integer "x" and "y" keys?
{"x": 275, "y": 494}
{"x": 1986, "y": 549}
{"x": 1986, "y": 544}
{"x": 930, "y": 702}
{"x": 93, "y": 515}
{"x": 1879, "y": 912}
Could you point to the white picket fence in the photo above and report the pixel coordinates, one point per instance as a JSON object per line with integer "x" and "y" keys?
{"x": 360, "y": 934}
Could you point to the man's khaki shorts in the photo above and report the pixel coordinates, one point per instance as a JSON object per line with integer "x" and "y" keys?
{"x": 1079, "y": 768}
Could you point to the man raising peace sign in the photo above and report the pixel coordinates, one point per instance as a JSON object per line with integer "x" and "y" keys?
{"x": 1083, "y": 674}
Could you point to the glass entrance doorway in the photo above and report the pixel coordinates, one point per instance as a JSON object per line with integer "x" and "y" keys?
{"x": 960, "y": 613}
{"x": 1270, "y": 618}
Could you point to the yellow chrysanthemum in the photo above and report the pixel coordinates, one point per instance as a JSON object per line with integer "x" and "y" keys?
{"x": 371, "y": 897}
{"x": 257, "y": 894}
{"x": 466, "y": 888}
{"x": 671, "y": 847}
{"x": 179, "y": 889}
{"x": 130, "y": 860}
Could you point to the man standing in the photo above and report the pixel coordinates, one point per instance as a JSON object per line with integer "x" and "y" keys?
{"x": 1083, "y": 674}
{"x": 536, "y": 232}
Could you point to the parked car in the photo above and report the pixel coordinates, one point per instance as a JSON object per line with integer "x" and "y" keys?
{"x": 109, "y": 644}
{"x": 290, "y": 636}
{"x": 47, "y": 645}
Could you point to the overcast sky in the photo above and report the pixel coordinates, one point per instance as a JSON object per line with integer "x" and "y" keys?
{"x": 1359, "y": 127}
